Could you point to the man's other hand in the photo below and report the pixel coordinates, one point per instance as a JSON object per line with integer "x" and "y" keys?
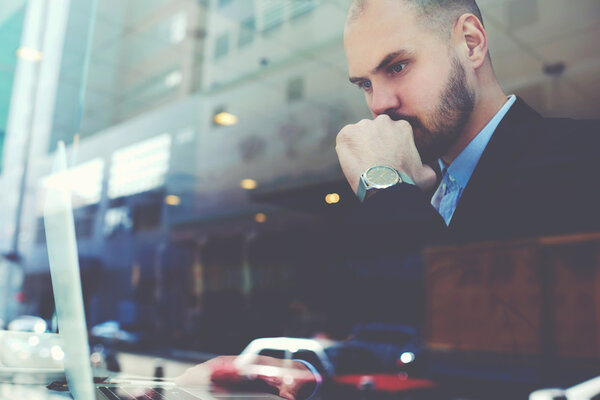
{"x": 381, "y": 141}
{"x": 291, "y": 379}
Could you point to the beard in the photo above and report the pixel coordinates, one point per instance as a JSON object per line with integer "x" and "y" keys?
{"x": 438, "y": 131}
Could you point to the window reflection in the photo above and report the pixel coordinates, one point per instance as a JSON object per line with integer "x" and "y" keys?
{"x": 205, "y": 166}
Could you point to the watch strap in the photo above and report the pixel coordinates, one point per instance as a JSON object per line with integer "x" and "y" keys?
{"x": 405, "y": 178}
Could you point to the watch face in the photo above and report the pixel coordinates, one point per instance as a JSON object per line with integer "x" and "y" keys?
{"x": 381, "y": 177}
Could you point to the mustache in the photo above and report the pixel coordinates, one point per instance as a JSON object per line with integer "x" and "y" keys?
{"x": 412, "y": 120}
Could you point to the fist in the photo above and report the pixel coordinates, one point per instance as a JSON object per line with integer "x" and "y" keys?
{"x": 381, "y": 141}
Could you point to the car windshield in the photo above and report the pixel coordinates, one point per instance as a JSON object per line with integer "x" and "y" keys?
{"x": 312, "y": 358}
{"x": 353, "y": 360}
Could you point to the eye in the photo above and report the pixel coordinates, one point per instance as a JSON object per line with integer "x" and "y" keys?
{"x": 365, "y": 85}
{"x": 397, "y": 68}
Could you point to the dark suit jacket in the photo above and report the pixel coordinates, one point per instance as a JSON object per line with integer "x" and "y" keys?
{"x": 537, "y": 176}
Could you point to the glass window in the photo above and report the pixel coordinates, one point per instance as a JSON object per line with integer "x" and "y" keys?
{"x": 139, "y": 167}
{"x": 11, "y": 25}
{"x": 273, "y": 15}
{"x": 299, "y": 8}
{"x": 229, "y": 222}
{"x": 312, "y": 358}
{"x": 222, "y": 46}
{"x": 295, "y": 89}
{"x": 272, "y": 353}
{"x": 247, "y": 31}
{"x": 224, "y": 3}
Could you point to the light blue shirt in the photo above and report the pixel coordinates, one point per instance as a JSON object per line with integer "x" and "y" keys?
{"x": 456, "y": 176}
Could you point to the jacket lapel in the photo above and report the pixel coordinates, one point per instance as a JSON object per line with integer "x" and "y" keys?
{"x": 507, "y": 142}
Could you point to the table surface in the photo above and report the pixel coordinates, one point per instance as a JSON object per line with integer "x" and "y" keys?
{"x": 30, "y": 392}
{"x": 28, "y": 384}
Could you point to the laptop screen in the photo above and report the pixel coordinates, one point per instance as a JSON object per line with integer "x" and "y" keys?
{"x": 66, "y": 283}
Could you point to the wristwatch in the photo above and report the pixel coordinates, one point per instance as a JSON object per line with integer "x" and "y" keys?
{"x": 377, "y": 178}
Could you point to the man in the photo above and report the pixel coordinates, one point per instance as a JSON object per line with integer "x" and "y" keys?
{"x": 430, "y": 86}
{"x": 447, "y": 155}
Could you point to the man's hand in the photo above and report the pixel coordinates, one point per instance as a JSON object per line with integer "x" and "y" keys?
{"x": 287, "y": 376}
{"x": 381, "y": 141}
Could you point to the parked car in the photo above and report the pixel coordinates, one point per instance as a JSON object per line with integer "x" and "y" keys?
{"x": 114, "y": 336}
{"x": 28, "y": 323}
{"x": 588, "y": 390}
{"x": 396, "y": 345}
{"x": 344, "y": 365}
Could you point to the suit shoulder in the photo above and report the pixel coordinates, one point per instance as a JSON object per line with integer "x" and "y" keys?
{"x": 567, "y": 127}
{"x": 564, "y": 137}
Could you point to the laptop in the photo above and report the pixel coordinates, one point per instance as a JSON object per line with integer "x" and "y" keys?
{"x": 66, "y": 285}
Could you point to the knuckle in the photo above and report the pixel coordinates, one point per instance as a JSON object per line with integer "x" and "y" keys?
{"x": 403, "y": 123}
{"x": 363, "y": 122}
{"x": 342, "y": 133}
{"x": 383, "y": 117}
{"x": 342, "y": 137}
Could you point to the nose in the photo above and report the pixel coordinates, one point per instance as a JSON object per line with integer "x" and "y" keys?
{"x": 383, "y": 101}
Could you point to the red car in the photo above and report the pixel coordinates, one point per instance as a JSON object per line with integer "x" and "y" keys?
{"x": 345, "y": 365}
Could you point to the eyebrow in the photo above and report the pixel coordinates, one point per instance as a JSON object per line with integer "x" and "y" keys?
{"x": 387, "y": 60}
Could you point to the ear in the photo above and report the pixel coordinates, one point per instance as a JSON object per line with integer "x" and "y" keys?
{"x": 473, "y": 39}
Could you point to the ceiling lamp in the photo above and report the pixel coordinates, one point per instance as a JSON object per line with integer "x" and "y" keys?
{"x": 173, "y": 200}
{"x": 29, "y": 54}
{"x": 224, "y": 118}
{"x": 248, "y": 184}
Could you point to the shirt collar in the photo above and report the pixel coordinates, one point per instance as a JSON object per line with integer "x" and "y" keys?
{"x": 463, "y": 166}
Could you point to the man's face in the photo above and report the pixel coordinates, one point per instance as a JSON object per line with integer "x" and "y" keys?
{"x": 409, "y": 72}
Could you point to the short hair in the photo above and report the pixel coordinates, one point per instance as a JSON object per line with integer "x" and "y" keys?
{"x": 438, "y": 15}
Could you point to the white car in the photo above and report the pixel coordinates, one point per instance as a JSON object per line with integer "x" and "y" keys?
{"x": 310, "y": 350}
{"x": 588, "y": 390}
{"x": 28, "y": 323}
{"x": 347, "y": 365}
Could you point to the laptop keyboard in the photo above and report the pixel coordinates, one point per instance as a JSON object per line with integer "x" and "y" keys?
{"x": 145, "y": 393}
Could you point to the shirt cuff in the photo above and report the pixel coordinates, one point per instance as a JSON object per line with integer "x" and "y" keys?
{"x": 316, "y": 374}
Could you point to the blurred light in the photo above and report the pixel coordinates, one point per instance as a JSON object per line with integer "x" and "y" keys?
{"x": 260, "y": 218}
{"x": 96, "y": 358}
{"x": 267, "y": 370}
{"x": 57, "y": 353}
{"x": 225, "y": 118}
{"x": 178, "y": 27}
{"x": 29, "y": 54}
{"x": 248, "y": 184}
{"x": 40, "y": 327}
{"x": 172, "y": 200}
{"x": 288, "y": 379}
{"x": 174, "y": 78}
{"x": 407, "y": 357}
{"x": 84, "y": 181}
{"x": 332, "y": 198}
{"x": 117, "y": 218}
{"x": 33, "y": 340}
{"x": 140, "y": 167}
